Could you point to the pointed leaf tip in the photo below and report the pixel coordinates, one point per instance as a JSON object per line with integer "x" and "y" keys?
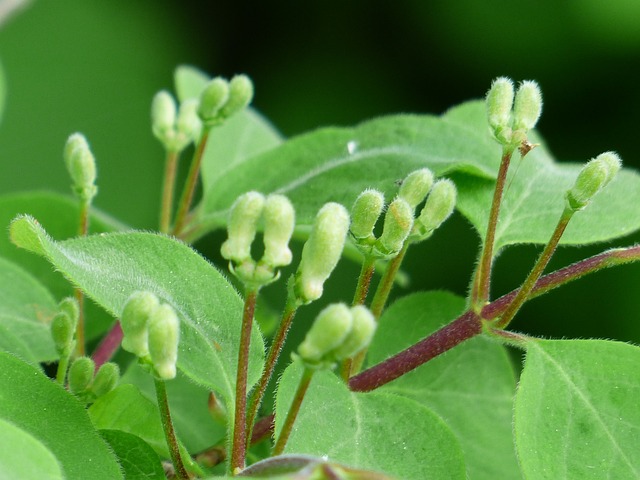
{"x": 26, "y": 232}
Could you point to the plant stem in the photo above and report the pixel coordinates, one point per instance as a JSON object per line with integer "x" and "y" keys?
{"x": 83, "y": 230}
{"x": 480, "y": 289}
{"x": 61, "y": 373}
{"x": 464, "y": 327}
{"x": 168, "y": 188}
{"x": 364, "y": 280}
{"x": 386, "y": 283}
{"x": 169, "y": 432}
{"x": 257, "y": 395}
{"x": 536, "y": 272}
{"x": 190, "y": 184}
{"x": 108, "y": 346}
{"x": 307, "y": 375}
{"x": 239, "y": 445}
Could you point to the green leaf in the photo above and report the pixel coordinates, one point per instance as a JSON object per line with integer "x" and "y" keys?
{"x": 3, "y": 91}
{"x": 110, "y": 267}
{"x": 137, "y": 458}
{"x": 471, "y": 386}
{"x": 43, "y": 409}
{"x": 26, "y": 308}
{"x": 576, "y": 410}
{"x": 23, "y": 456}
{"x": 374, "y": 431}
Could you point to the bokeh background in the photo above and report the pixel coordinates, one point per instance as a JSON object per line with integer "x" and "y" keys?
{"x": 94, "y": 65}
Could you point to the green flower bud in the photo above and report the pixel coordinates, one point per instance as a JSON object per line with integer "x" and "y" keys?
{"x": 416, "y": 186}
{"x": 81, "y": 374}
{"x": 243, "y": 223}
{"x": 188, "y": 124}
{"x": 163, "y": 116}
{"x": 134, "y": 321}
{"x": 527, "y": 106}
{"x": 365, "y": 213}
{"x": 81, "y": 166}
{"x": 499, "y": 102}
{"x": 321, "y": 252}
{"x": 106, "y": 379}
{"x": 593, "y": 177}
{"x": 240, "y": 95}
{"x": 63, "y": 329}
{"x": 398, "y": 222}
{"x": 69, "y": 305}
{"x": 214, "y": 96}
{"x": 279, "y": 221}
{"x": 164, "y": 334}
{"x": 328, "y": 332}
{"x": 439, "y": 206}
{"x": 362, "y": 329}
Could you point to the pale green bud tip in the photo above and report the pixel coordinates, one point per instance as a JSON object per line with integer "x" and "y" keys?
{"x": 499, "y": 102}
{"x": 439, "y": 206}
{"x": 81, "y": 166}
{"x": 415, "y": 187}
{"x": 188, "y": 123}
{"x": 593, "y": 177}
{"x": 163, "y": 114}
{"x": 398, "y": 222}
{"x": 279, "y": 221}
{"x": 134, "y": 320}
{"x": 322, "y": 251}
{"x": 365, "y": 213}
{"x": 362, "y": 330}
{"x": 164, "y": 335}
{"x": 69, "y": 305}
{"x": 106, "y": 379}
{"x": 63, "y": 329}
{"x": 527, "y": 106}
{"x": 329, "y": 330}
{"x": 213, "y": 98}
{"x": 81, "y": 374}
{"x": 240, "y": 95}
{"x": 242, "y": 226}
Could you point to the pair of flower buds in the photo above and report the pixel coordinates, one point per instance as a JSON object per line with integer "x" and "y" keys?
{"x": 176, "y": 127}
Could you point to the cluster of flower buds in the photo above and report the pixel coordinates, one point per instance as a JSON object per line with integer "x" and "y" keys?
{"x": 277, "y": 215}
{"x": 63, "y": 326}
{"x": 81, "y": 166}
{"x": 510, "y": 119}
{"x": 320, "y": 253}
{"x": 221, "y": 99}
{"x": 151, "y": 332}
{"x": 338, "y": 333}
{"x": 438, "y": 207}
{"x": 175, "y": 127}
{"x": 593, "y": 177}
{"x": 85, "y": 386}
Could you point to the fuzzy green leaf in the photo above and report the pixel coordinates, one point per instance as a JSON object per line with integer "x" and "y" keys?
{"x": 26, "y": 308}
{"x": 137, "y": 458}
{"x": 374, "y": 431}
{"x": 576, "y": 410}
{"x": 471, "y": 386}
{"x": 110, "y": 267}
{"x": 3, "y": 91}
{"x": 43, "y": 409}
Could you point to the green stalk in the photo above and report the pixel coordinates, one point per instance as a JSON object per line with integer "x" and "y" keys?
{"x": 63, "y": 366}
{"x": 168, "y": 188}
{"x": 83, "y": 230}
{"x": 386, "y": 282}
{"x": 169, "y": 432}
{"x": 287, "y": 427}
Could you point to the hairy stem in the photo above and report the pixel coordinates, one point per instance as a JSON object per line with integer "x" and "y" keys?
{"x": 83, "y": 230}
{"x": 169, "y": 432}
{"x": 108, "y": 346}
{"x": 281, "y": 442}
{"x": 364, "y": 280}
{"x": 63, "y": 366}
{"x": 168, "y": 188}
{"x": 386, "y": 282}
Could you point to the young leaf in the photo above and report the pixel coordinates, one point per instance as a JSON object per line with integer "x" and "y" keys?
{"x": 44, "y": 410}
{"x": 137, "y": 458}
{"x": 374, "y": 431}
{"x": 110, "y": 267}
{"x": 471, "y": 386}
{"x": 576, "y": 410}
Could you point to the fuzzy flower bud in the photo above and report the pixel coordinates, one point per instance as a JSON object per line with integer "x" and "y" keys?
{"x": 164, "y": 334}
{"x": 214, "y": 96}
{"x": 63, "y": 328}
{"x": 499, "y": 102}
{"x": 81, "y": 166}
{"x": 243, "y": 223}
{"x": 240, "y": 95}
{"x": 279, "y": 221}
{"x": 328, "y": 332}
{"x": 321, "y": 252}
{"x": 398, "y": 222}
{"x": 106, "y": 379}
{"x": 439, "y": 206}
{"x": 416, "y": 186}
{"x": 163, "y": 115}
{"x": 362, "y": 329}
{"x": 365, "y": 213}
{"x": 527, "y": 106}
{"x": 69, "y": 305}
{"x": 593, "y": 177}
{"x": 134, "y": 321}
{"x": 188, "y": 124}
{"x": 81, "y": 374}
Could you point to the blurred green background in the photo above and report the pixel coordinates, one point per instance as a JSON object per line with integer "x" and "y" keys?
{"x": 94, "y": 65}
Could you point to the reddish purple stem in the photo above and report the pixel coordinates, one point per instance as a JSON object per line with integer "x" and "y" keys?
{"x": 108, "y": 346}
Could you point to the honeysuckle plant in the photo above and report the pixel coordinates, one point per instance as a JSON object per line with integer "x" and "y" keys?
{"x": 178, "y": 374}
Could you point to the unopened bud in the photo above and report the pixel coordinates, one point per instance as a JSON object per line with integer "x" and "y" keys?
{"x": 212, "y": 99}
{"x": 242, "y": 226}
{"x": 188, "y": 123}
{"x": 63, "y": 329}
{"x": 69, "y": 305}
{"x": 81, "y": 166}
{"x": 328, "y": 331}
{"x": 134, "y": 322}
{"x": 439, "y": 206}
{"x": 593, "y": 177}
{"x": 106, "y": 379}
{"x": 164, "y": 335}
{"x": 398, "y": 222}
{"x": 527, "y": 106}
{"x": 499, "y": 102}
{"x": 321, "y": 252}
{"x": 361, "y": 333}
{"x": 240, "y": 95}
{"x": 163, "y": 115}
{"x": 279, "y": 221}
{"x": 81, "y": 374}
{"x": 416, "y": 186}
{"x": 365, "y": 213}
